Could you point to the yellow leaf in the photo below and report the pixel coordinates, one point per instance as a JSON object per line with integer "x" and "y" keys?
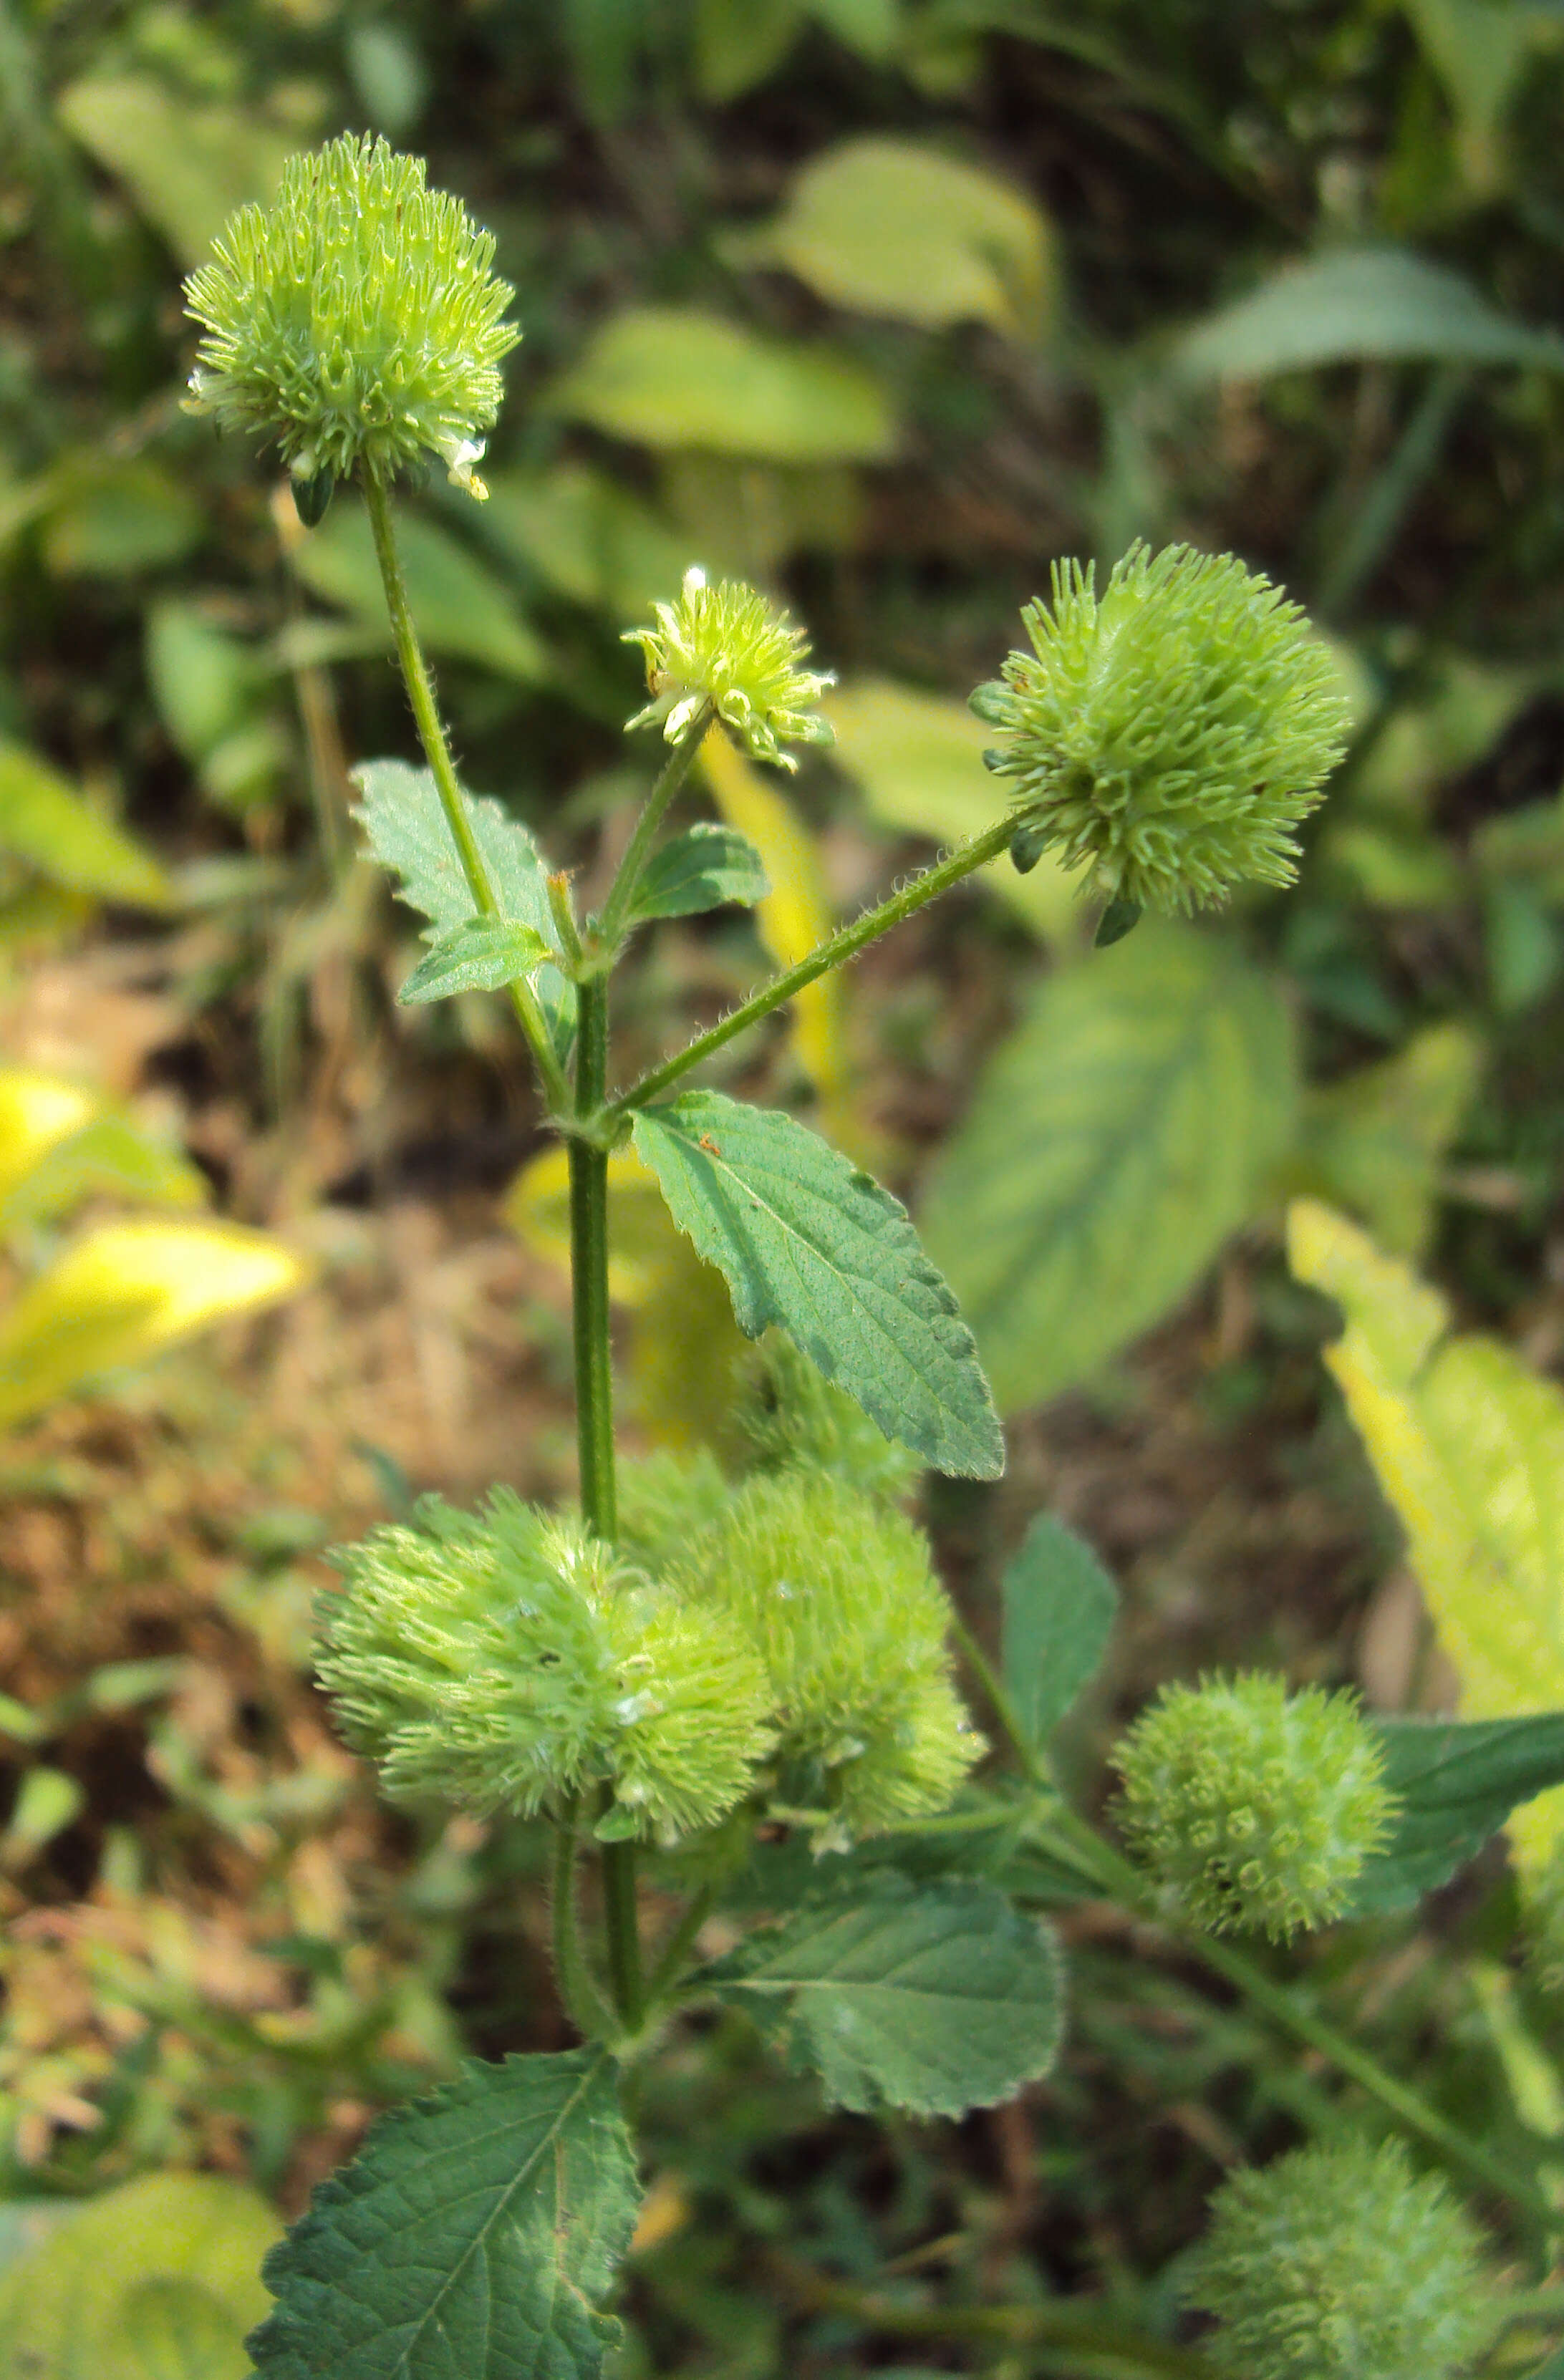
{"x": 125, "y": 1292}
{"x": 796, "y": 916}
{"x": 37, "y": 1112}
{"x": 1468, "y": 1445}
{"x": 537, "y": 1210}
{"x": 684, "y": 1341}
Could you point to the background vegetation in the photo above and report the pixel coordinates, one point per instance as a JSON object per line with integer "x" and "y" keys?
{"x": 884, "y": 304}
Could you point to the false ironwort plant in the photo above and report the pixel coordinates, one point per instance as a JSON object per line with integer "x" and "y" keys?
{"x": 697, "y": 1664}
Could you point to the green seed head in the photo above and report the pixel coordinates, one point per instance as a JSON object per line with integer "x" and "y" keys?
{"x": 1255, "y": 1809}
{"x": 834, "y": 1590}
{"x": 1171, "y": 733}
{"x": 355, "y": 320}
{"x": 727, "y": 647}
{"x": 502, "y": 1659}
{"x": 1340, "y": 2264}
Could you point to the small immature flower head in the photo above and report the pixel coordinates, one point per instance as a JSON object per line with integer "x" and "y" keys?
{"x": 355, "y": 320}
{"x": 834, "y": 1591}
{"x": 1255, "y": 1808}
{"x": 790, "y": 1417}
{"x": 728, "y": 647}
{"x": 1341, "y": 2264}
{"x": 503, "y": 1658}
{"x": 1171, "y": 733}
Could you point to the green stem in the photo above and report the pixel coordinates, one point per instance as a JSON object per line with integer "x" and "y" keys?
{"x": 594, "y": 1419}
{"x": 1099, "y": 2345}
{"x": 431, "y": 736}
{"x": 676, "y": 1949}
{"x": 989, "y": 1678}
{"x": 1457, "y": 2148}
{"x": 835, "y": 952}
{"x": 583, "y": 2001}
{"x": 675, "y": 769}
{"x": 1069, "y": 1837}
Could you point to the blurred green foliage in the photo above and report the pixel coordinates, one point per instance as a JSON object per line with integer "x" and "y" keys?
{"x": 885, "y": 303}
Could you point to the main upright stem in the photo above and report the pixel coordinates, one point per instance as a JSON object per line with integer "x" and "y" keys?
{"x": 431, "y": 736}
{"x": 594, "y": 1423}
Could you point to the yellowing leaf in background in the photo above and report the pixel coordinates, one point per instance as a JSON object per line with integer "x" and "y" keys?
{"x": 918, "y": 758}
{"x": 795, "y": 917}
{"x": 684, "y": 1341}
{"x": 37, "y": 1112}
{"x": 1468, "y": 1445}
{"x": 125, "y": 1291}
{"x": 45, "y": 821}
{"x": 893, "y": 228}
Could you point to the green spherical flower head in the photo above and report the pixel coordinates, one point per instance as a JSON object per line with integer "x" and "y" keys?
{"x": 1341, "y": 2264}
{"x": 355, "y": 321}
{"x": 1170, "y": 733}
{"x": 504, "y": 1659}
{"x": 834, "y": 1591}
{"x": 1255, "y": 1808}
{"x": 726, "y": 647}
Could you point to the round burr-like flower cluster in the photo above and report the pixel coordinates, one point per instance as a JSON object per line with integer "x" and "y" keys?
{"x": 504, "y": 1659}
{"x": 1171, "y": 733}
{"x": 1338, "y": 2263}
{"x": 356, "y": 321}
{"x": 1254, "y": 1809}
{"x": 726, "y": 650}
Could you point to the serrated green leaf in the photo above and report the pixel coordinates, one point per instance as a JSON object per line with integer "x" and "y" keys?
{"x": 1458, "y": 1781}
{"x": 461, "y": 607}
{"x": 701, "y": 868}
{"x": 471, "y": 2238}
{"x": 918, "y": 760}
{"x": 480, "y": 954}
{"x": 894, "y": 227}
{"x": 402, "y": 817}
{"x": 1059, "y": 1606}
{"x": 807, "y": 1240}
{"x": 935, "y": 1997}
{"x": 45, "y": 821}
{"x": 1117, "y": 1138}
{"x": 75, "y": 2305}
{"x": 666, "y": 376}
{"x": 1384, "y": 302}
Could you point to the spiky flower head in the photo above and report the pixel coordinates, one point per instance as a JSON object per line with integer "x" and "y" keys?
{"x": 503, "y": 1658}
{"x": 355, "y": 320}
{"x": 1255, "y": 1809}
{"x": 1339, "y": 2263}
{"x": 834, "y": 1590}
{"x": 727, "y": 647}
{"x": 1171, "y": 733}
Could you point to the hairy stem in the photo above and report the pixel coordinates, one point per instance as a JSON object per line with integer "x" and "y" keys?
{"x": 835, "y": 952}
{"x": 431, "y": 736}
{"x": 583, "y": 2001}
{"x": 637, "y": 851}
{"x": 594, "y": 1423}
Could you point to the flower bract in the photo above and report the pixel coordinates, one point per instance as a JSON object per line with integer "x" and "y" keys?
{"x": 726, "y": 650}
{"x": 355, "y": 321}
{"x": 1255, "y": 1808}
{"x": 1170, "y": 733}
